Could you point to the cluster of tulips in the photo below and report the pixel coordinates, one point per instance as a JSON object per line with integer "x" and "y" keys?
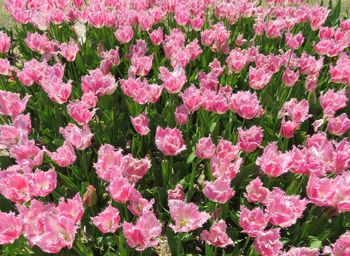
{"x": 182, "y": 127}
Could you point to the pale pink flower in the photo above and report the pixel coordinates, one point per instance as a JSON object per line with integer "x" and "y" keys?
{"x": 249, "y": 140}
{"x": 157, "y": 36}
{"x": 11, "y": 135}
{"x": 187, "y": 217}
{"x": 140, "y": 124}
{"x": 140, "y": 65}
{"x": 273, "y": 162}
{"x": 40, "y": 43}
{"x": 98, "y": 83}
{"x": 177, "y": 193}
{"x": 107, "y": 221}
{"x": 80, "y": 112}
{"x": 27, "y": 153}
{"x": 169, "y": 141}
{"x": 139, "y": 205}
{"x": 256, "y": 192}
{"x": 217, "y": 235}
{"x": 259, "y": 78}
{"x": 5, "y": 42}
{"x": 144, "y": 233}
{"x": 71, "y": 208}
{"x": 205, "y": 148}
{"x": 134, "y": 169}
{"x": 246, "y": 105}
{"x": 69, "y": 50}
{"x": 301, "y": 251}
{"x": 79, "y": 138}
{"x": 219, "y": 190}
{"x": 109, "y": 163}
{"x": 253, "y": 221}
{"x": 294, "y": 41}
{"x": 268, "y": 242}
{"x": 341, "y": 247}
{"x": 332, "y": 101}
{"x": 32, "y": 72}
{"x": 296, "y": 110}
{"x": 284, "y": 210}
{"x": 342, "y": 188}
{"x": 11, "y": 104}
{"x": 236, "y": 61}
{"x": 121, "y": 190}
{"x": 173, "y": 81}
{"x": 338, "y": 125}
{"x": 5, "y": 67}
{"x": 290, "y": 77}
{"x": 11, "y": 227}
{"x": 124, "y": 34}
{"x": 342, "y": 156}
{"x": 340, "y": 72}
{"x": 321, "y": 191}
{"x": 64, "y": 155}
{"x": 224, "y": 167}
{"x": 42, "y": 183}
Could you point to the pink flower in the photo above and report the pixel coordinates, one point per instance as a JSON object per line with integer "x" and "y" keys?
{"x": 321, "y": 191}
{"x": 79, "y": 138}
{"x": 236, "y": 61}
{"x": 284, "y": 210}
{"x": 253, "y": 221}
{"x": 177, "y": 193}
{"x": 173, "y": 81}
{"x": 268, "y": 242}
{"x": 107, "y": 221}
{"x": 5, "y": 42}
{"x": 140, "y": 124}
{"x": 332, "y": 101}
{"x": 98, "y": 83}
{"x": 157, "y": 36}
{"x": 181, "y": 114}
{"x": 294, "y": 42}
{"x": 140, "y": 65}
{"x": 246, "y": 105}
{"x": 71, "y": 208}
{"x": 169, "y": 141}
{"x": 288, "y": 128}
{"x": 273, "y": 162}
{"x": 205, "y": 148}
{"x": 191, "y": 98}
{"x": 134, "y": 169}
{"x": 139, "y": 205}
{"x": 124, "y": 34}
{"x": 259, "y": 78}
{"x": 32, "y": 71}
{"x": 342, "y": 156}
{"x": 249, "y": 140}
{"x": 57, "y": 91}
{"x": 338, "y": 125}
{"x": 289, "y": 77}
{"x": 11, "y": 104}
{"x": 121, "y": 190}
{"x": 342, "y": 188}
{"x": 224, "y": 167}
{"x": 27, "y": 153}
{"x": 64, "y": 155}
{"x": 187, "y": 217}
{"x": 42, "y": 183}
{"x": 11, "y": 227}
{"x": 301, "y": 251}
{"x": 40, "y": 43}
{"x": 341, "y": 247}
{"x": 217, "y": 235}
{"x": 80, "y": 112}
{"x": 225, "y": 149}
{"x": 69, "y": 51}
{"x": 144, "y": 233}
{"x": 297, "y": 111}
{"x": 89, "y": 99}
{"x": 219, "y": 190}
{"x": 256, "y": 192}
{"x": 5, "y": 67}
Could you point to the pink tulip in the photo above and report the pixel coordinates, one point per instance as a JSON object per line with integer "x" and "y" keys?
{"x": 11, "y": 104}
{"x": 342, "y": 156}
{"x": 268, "y": 242}
{"x": 246, "y": 105}
{"x": 5, "y": 67}
{"x": 89, "y": 99}
{"x": 140, "y": 124}
{"x": 140, "y": 65}
{"x": 134, "y": 169}
{"x": 121, "y": 190}
{"x": 205, "y": 148}
{"x": 340, "y": 247}
{"x": 79, "y": 138}
{"x": 5, "y": 42}
{"x": 187, "y": 217}
{"x": 224, "y": 167}
{"x": 249, "y": 140}
{"x": 236, "y": 61}
{"x": 107, "y": 221}
{"x": 288, "y": 128}
{"x": 181, "y": 115}
{"x": 217, "y": 235}
{"x": 177, "y": 193}
{"x": 290, "y": 77}
{"x": 69, "y": 50}
{"x": 256, "y": 192}
{"x": 298, "y": 111}
{"x": 139, "y": 205}
{"x": 27, "y": 153}
{"x": 64, "y": 155}
{"x": 219, "y": 190}
{"x": 40, "y": 43}
{"x": 169, "y": 141}
{"x": 192, "y": 98}
{"x": 332, "y": 101}
{"x": 294, "y": 41}
{"x": 32, "y": 72}
{"x": 42, "y": 183}
{"x": 253, "y": 221}
{"x": 338, "y": 125}
{"x": 98, "y": 83}
{"x": 11, "y": 227}
{"x": 301, "y": 251}
{"x": 173, "y": 81}
{"x": 259, "y": 78}
{"x": 144, "y": 233}
{"x": 124, "y": 34}
{"x": 80, "y": 112}
{"x": 157, "y": 36}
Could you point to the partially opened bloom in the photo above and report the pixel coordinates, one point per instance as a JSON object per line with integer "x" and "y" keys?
{"x": 192, "y": 98}
{"x": 246, "y": 105}
{"x": 205, "y": 148}
{"x": 69, "y": 50}
{"x": 5, "y": 67}
{"x": 64, "y": 155}
{"x": 27, "y": 153}
{"x": 173, "y": 81}
{"x": 217, "y": 235}
{"x": 11, "y": 227}
{"x": 259, "y": 78}
{"x": 124, "y": 34}
{"x": 140, "y": 124}
{"x": 139, "y": 205}
{"x": 268, "y": 242}
{"x": 297, "y": 111}
{"x": 169, "y": 141}
{"x": 187, "y": 217}
{"x": 253, "y": 221}
{"x": 181, "y": 114}
{"x": 341, "y": 247}
{"x": 11, "y": 104}
{"x": 256, "y": 192}
{"x": 79, "y": 138}
{"x": 290, "y": 77}
{"x": 338, "y": 125}
{"x": 332, "y": 101}
{"x": 42, "y": 183}
{"x": 98, "y": 83}
{"x": 157, "y": 36}
{"x": 177, "y": 193}
{"x": 294, "y": 41}
{"x": 225, "y": 167}
{"x": 144, "y": 233}
{"x": 301, "y": 251}
{"x": 121, "y": 190}
{"x": 109, "y": 163}
{"x": 80, "y": 112}
{"x": 107, "y": 221}
{"x": 288, "y": 128}
{"x": 5, "y": 42}
{"x": 219, "y": 190}
{"x": 249, "y": 140}
{"x": 134, "y": 169}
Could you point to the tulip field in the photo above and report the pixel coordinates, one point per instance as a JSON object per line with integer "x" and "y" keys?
{"x": 175, "y": 127}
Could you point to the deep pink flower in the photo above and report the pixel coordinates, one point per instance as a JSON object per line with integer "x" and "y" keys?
{"x": 107, "y": 221}
{"x": 64, "y": 155}
{"x": 205, "y": 148}
{"x": 294, "y": 41}
{"x": 173, "y": 81}
{"x": 187, "y": 217}
{"x": 217, "y": 235}
{"x": 268, "y": 242}
{"x": 290, "y": 77}
{"x": 157, "y": 36}
{"x": 219, "y": 190}
{"x": 256, "y": 192}
{"x": 98, "y": 83}
{"x": 121, "y": 190}
{"x": 169, "y": 141}
{"x": 11, "y": 227}
{"x": 79, "y": 138}
{"x": 253, "y": 221}
{"x": 140, "y": 124}
{"x": 144, "y": 233}
{"x": 80, "y": 112}
{"x": 288, "y": 128}
{"x": 249, "y": 140}
{"x": 69, "y": 50}
{"x": 11, "y": 104}
{"x": 341, "y": 247}
{"x": 246, "y": 105}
